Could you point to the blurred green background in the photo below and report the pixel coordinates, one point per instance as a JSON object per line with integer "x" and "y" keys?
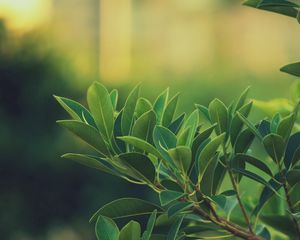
{"x": 203, "y": 49}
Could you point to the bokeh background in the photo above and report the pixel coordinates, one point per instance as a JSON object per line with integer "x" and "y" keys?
{"x": 202, "y": 48}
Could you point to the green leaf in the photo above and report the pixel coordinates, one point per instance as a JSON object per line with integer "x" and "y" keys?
{"x": 254, "y": 162}
{"x": 293, "y": 177}
{"x": 160, "y": 105}
{"x": 143, "y": 105}
{"x": 168, "y": 196}
{"x": 275, "y": 123}
{"x": 173, "y": 233}
{"x": 241, "y": 101}
{"x": 176, "y": 124}
{"x": 206, "y": 185}
{"x": 150, "y": 226}
{"x": 237, "y": 124}
{"x": 179, "y": 208}
{"x": 92, "y": 162}
{"x": 170, "y": 111}
{"x": 164, "y": 140}
{"x": 76, "y": 110}
{"x": 131, "y": 231}
{"x": 264, "y": 128}
{"x": 218, "y": 114}
{"x": 117, "y": 133}
{"x": 204, "y": 111}
{"x": 285, "y": 127}
{"x": 106, "y": 229}
{"x": 250, "y": 126}
{"x": 293, "y": 69}
{"x": 87, "y": 133}
{"x": 192, "y": 123}
{"x": 274, "y": 146}
{"x": 141, "y": 165}
{"x": 292, "y": 152}
{"x": 267, "y": 193}
{"x": 126, "y": 207}
{"x": 128, "y": 110}
{"x": 182, "y": 139}
{"x": 141, "y": 144}
{"x": 255, "y": 177}
{"x": 219, "y": 176}
{"x": 283, "y": 3}
{"x": 208, "y": 153}
{"x": 227, "y": 201}
{"x": 244, "y": 141}
{"x": 143, "y": 126}
{"x": 182, "y": 157}
{"x": 114, "y": 98}
{"x": 101, "y": 108}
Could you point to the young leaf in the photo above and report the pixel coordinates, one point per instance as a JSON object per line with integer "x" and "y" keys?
{"x": 143, "y": 126}
{"x": 76, "y": 110}
{"x": 218, "y": 114}
{"x": 168, "y": 196}
{"x": 150, "y": 226}
{"x": 275, "y": 122}
{"x": 274, "y": 146}
{"x": 170, "y": 111}
{"x": 192, "y": 123}
{"x": 291, "y": 155}
{"x": 87, "y": 133}
{"x": 126, "y": 207}
{"x": 176, "y": 124}
{"x": 173, "y": 233}
{"x": 143, "y": 105}
{"x": 241, "y": 101}
{"x": 101, "y": 108}
{"x": 141, "y": 144}
{"x": 208, "y": 153}
{"x": 141, "y": 165}
{"x": 128, "y": 110}
{"x": 91, "y": 162}
{"x": 159, "y": 105}
{"x": 182, "y": 139}
{"x": 293, "y": 69}
{"x": 131, "y": 231}
{"x": 163, "y": 140}
{"x": 106, "y": 229}
{"x": 204, "y": 111}
{"x": 114, "y": 98}
{"x": 182, "y": 157}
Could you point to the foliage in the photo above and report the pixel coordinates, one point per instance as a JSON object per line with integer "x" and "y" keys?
{"x": 187, "y": 165}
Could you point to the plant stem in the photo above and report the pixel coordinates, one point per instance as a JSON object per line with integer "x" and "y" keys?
{"x": 235, "y": 187}
{"x": 230, "y": 227}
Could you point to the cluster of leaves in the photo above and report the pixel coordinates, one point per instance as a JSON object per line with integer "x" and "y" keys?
{"x": 187, "y": 165}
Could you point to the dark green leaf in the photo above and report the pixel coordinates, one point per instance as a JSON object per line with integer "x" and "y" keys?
{"x": 293, "y": 177}
{"x": 160, "y": 104}
{"x": 254, "y": 162}
{"x": 168, "y": 196}
{"x": 176, "y": 124}
{"x": 170, "y": 111}
{"x": 126, "y": 207}
{"x": 141, "y": 144}
{"x": 76, "y": 110}
{"x": 173, "y": 233}
{"x": 293, "y": 69}
{"x": 250, "y": 126}
{"x": 143, "y": 126}
{"x": 141, "y": 165}
{"x": 106, "y": 229}
{"x": 283, "y": 3}
{"x": 206, "y": 185}
{"x": 204, "y": 111}
{"x": 227, "y": 201}
{"x": 218, "y": 114}
{"x": 128, "y": 110}
{"x": 117, "y": 133}
{"x": 208, "y": 153}
{"x": 244, "y": 141}
{"x": 101, "y": 108}
{"x": 150, "y": 226}
{"x": 264, "y": 128}
{"x": 131, "y": 231}
{"x": 274, "y": 146}
{"x": 291, "y": 153}
{"x": 285, "y": 126}
{"x": 179, "y": 208}
{"x": 219, "y": 176}
{"x": 87, "y": 133}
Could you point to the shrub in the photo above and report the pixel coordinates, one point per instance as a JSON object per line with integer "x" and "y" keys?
{"x": 186, "y": 166}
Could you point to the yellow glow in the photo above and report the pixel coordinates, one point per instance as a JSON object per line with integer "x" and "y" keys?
{"x": 25, "y": 14}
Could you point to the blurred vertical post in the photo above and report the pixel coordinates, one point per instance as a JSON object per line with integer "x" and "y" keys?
{"x": 115, "y": 39}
